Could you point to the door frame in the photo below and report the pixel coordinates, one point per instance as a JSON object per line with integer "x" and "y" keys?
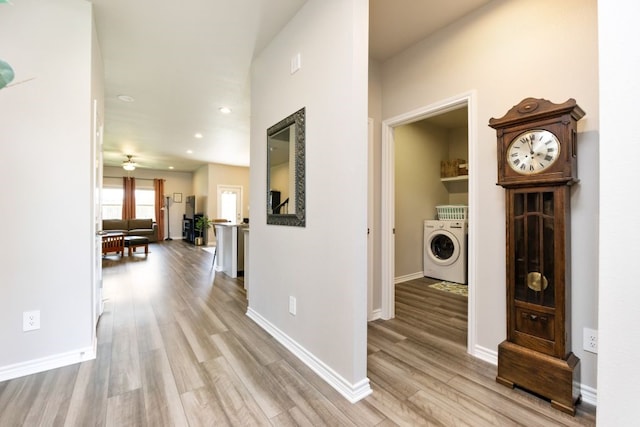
{"x": 370, "y": 216}
{"x": 388, "y": 202}
{"x": 97, "y": 300}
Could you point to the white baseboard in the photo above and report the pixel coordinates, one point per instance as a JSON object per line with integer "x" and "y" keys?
{"x": 46, "y": 363}
{"x": 407, "y": 277}
{"x": 589, "y": 394}
{"x": 351, "y": 392}
{"x": 375, "y": 315}
{"x": 488, "y": 355}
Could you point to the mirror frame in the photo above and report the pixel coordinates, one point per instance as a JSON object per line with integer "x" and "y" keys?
{"x": 297, "y": 219}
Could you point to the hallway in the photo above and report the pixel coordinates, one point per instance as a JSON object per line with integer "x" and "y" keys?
{"x": 176, "y": 349}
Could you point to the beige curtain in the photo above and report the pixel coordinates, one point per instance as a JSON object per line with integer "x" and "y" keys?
{"x": 129, "y": 200}
{"x": 158, "y": 187}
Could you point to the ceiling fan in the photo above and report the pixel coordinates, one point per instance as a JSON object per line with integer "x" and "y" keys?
{"x": 129, "y": 165}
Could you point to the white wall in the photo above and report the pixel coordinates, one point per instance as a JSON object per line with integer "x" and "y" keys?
{"x": 279, "y": 180}
{"x": 489, "y": 52}
{"x": 458, "y": 149}
{"x": 619, "y": 337}
{"x": 47, "y": 215}
{"x": 419, "y": 148}
{"x": 375, "y": 113}
{"x": 323, "y": 264}
{"x": 201, "y": 189}
{"x": 418, "y": 190}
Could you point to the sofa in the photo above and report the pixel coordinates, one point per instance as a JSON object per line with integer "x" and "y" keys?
{"x": 132, "y": 227}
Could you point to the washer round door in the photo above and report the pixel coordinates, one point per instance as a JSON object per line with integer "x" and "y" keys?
{"x": 443, "y": 248}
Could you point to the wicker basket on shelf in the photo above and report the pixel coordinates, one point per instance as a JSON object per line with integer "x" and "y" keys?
{"x": 453, "y": 168}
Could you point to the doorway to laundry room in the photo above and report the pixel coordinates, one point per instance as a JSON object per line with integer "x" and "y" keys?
{"x": 428, "y": 164}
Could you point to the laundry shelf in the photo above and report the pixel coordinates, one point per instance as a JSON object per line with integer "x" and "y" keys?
{"x": 455, "y": 178}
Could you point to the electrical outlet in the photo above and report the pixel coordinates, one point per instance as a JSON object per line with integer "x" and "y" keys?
{"x": 30, "y": 320}
{"x": 590, "y": 340}
{"x": 292, "y": 305}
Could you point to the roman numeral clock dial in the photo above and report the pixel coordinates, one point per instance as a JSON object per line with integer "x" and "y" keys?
{"x": 533, "y": 151}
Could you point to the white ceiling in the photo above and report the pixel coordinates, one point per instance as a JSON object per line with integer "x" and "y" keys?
{"x": 182, "y": 63}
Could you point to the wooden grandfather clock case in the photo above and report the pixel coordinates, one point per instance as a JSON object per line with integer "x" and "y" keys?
{"x": 537, "y": 164}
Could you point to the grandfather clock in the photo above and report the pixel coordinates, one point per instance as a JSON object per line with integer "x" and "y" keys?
{"x": 537, "y": 164}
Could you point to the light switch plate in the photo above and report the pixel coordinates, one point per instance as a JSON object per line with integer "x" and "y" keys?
{"x": 296, "y": 62}
{"x": 292, "y": 305}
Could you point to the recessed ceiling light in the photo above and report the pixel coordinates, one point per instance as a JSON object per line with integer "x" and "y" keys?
{"x": 126, "y": 98}
{"x": 197, "y": 135}
{"x": 170, "y": 167}
{"x": 189, "y": 151}
{"x": 225, "y": 110}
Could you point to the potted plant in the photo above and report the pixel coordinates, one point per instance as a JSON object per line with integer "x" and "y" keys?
{"x": 202, "y": 224}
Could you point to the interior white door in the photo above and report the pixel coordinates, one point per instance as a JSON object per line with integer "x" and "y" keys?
{"x": 230, "y": 203}
{"x": 98, "y": 302}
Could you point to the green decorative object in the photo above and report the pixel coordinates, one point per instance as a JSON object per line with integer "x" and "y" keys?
{"x": 6, "y": 72}
{"x": 202, "y": 224}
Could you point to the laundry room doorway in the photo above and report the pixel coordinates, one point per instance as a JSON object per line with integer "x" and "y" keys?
{"x": 403, "y": 214}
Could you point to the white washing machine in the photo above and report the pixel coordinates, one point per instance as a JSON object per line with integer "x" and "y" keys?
{"x": 445, "y": 250}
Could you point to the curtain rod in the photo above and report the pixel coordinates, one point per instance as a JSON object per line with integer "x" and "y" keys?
{"x": 141, "y": 179}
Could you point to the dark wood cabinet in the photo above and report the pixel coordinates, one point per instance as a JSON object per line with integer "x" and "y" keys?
{"x": 189, "y": 232}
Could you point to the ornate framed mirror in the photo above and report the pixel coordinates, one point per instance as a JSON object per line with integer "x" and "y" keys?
{"x": 286, "y": 171}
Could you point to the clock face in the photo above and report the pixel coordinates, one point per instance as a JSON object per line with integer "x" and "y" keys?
{"x": 533, "y": 151}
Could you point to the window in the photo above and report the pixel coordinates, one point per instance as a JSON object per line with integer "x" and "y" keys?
{"x": 112, "y": 203}
{"x": 145, "y": 204}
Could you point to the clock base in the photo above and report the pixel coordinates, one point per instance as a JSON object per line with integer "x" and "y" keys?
{"x": 550, "y": 377}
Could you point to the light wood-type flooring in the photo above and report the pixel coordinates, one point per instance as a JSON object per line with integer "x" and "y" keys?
{"x": 175, "y": 348}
